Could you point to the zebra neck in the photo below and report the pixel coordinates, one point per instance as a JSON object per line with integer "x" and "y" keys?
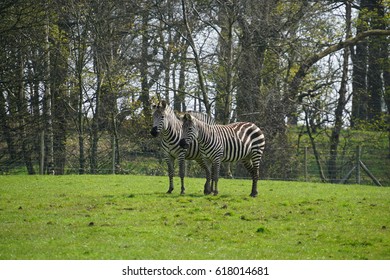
{"x": 205, "y": 132}
{"x": 173, "y": 127}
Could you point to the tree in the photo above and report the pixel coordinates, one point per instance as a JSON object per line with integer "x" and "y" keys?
{"x": 369, "y": 63}
{"x": 78, "y": 20}
{"x": 189, "y": 38}
{"x": 225, "y": 72}
{"x": 341, "y": 102}
{"x": 81, "y": 73}
{"x": 21, "y": 22}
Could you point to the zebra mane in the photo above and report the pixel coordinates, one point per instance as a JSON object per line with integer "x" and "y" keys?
{"x": 189, "y": 120}
{"x": 163, "y": 106}
{"x": 203, "y": 117}
{"x": 170, "y": 113}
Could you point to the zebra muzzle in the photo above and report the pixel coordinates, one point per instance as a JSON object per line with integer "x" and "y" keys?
{"x": 184, "y": 144}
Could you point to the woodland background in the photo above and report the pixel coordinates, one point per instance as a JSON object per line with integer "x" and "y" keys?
{"x": 77, "y": 79}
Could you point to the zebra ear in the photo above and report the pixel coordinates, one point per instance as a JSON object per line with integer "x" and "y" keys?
{"x": 178, "y": 115}
{"x": 164, "y": 104}
{"x": 153, "y": 103}
{"x": 187, "y": 117}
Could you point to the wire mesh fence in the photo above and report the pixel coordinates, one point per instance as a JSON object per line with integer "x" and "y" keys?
{"x": 354, "y": 164}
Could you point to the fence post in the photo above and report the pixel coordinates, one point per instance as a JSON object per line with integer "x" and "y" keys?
{"x": 375, "y": 180}
{"x": 305, "y": 163}
{"x": 358, "y": 156}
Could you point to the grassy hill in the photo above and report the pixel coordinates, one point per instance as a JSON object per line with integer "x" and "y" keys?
{"x": 131, "y": 217}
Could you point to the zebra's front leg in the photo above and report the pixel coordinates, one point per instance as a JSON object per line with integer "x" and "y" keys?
{"x": 215, "y": 173}
{"x": 212, "y": 188}
{"x": 207, "y": 186}
{"x": 171, "y": 170}
{"x": 182, "y": 171}
{"x": 206, "y": 167}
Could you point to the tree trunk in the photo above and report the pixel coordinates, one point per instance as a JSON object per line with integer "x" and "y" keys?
{"x": 249, "y": 80}
{"x": 224, "y": 80}
{"x": 359, "y": 81}
{"x": 314, "y": 147}
{"x": 386, "y": 79}
{"x": 179, "y": 101}
{"x": 336, "y": 130}
{"x": 60, "y": 116}
{"x": 144, "y": 98}
{"x": 80, "y": 119}
{"x": 49, "y": 141}
{"x": 6, "y": 130}
{"x": 22, "y": 116}
{"x": 96, "y": 117}
{"x": 202, "y": 85}
{"x": 374, "y": 73}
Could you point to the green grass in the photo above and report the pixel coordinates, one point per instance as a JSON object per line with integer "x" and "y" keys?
{"x": 131, "y": 217}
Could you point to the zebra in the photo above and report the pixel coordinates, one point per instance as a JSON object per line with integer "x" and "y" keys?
{"x": 226, "y": 143}
{"x": 166, "y": 123}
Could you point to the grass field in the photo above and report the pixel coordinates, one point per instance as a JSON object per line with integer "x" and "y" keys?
{"x": 131, "y": 217}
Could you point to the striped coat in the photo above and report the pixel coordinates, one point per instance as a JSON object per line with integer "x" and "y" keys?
{"x": 169, "y": 126}
{"x": 226, "y": 143}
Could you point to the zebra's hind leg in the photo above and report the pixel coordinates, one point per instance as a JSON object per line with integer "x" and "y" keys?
{"x": 215, "y": 174}
{"x": 253, "y": 169}
{"x": 254, "y": 192}
{"x": 214, "y": 185}
{"x": 208, "y": 187}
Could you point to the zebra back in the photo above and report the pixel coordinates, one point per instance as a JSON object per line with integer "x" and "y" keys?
{"x": 234, "y": 141}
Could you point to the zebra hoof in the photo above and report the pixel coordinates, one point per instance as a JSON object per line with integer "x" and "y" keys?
{"x": 169, "y": 191}
{"x": 253, "y": 194}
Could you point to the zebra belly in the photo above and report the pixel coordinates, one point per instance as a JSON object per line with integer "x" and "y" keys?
{"x": 191, "y": 153}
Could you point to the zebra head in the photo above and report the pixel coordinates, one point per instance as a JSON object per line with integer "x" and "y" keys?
{"x": 189, "y": 131}
{"x": 159, "y": 116}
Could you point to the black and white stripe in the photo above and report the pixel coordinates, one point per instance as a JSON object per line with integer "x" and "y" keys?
{"x": 226, "y": 143}
{"x": 170, "y": 127}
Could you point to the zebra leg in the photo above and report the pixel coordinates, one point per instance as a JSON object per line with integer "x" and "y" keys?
{"x": 253, "y": 169}
{"x": 182, "y": 171}
{"x": 207, "y": 185}
{"x": 215, "y": 174}
{"x": 206, "y": 168}
{"x": 212, "y": 180}
{"x": 171, "y": 170}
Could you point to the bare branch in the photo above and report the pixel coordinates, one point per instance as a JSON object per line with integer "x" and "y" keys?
{"x": 197, "y": 61}
{"x": 310, "y": 61}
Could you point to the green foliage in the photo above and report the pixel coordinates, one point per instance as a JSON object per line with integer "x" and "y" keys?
{"x": 371, "y": 138}
{"x": 379, "y": 124}
{"x": 131, "y": 217}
